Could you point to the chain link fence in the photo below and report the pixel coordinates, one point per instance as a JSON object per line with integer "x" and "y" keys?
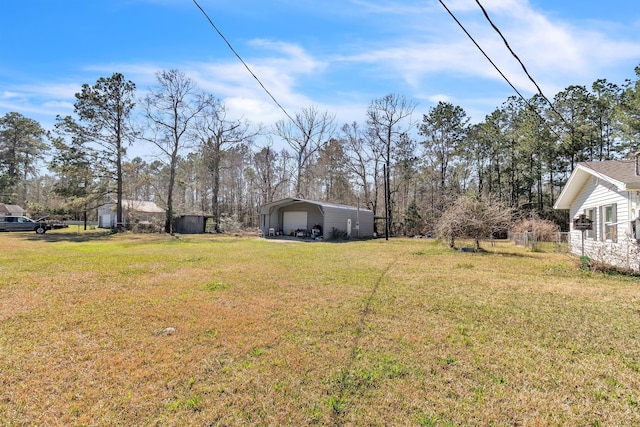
{"x": 560, "y": 242}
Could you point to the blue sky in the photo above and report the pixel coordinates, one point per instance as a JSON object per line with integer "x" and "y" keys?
{"x": 338, "y": 55}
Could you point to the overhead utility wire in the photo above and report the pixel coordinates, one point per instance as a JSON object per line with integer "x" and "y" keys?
{"x": 244, "y": 63}
{"x": 497, "y": 69}
{"x": 483, "y": 52}
{"x": 506, "y": 43}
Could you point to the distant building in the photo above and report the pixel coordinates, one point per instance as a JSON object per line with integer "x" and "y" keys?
{"x": 11, "y": 210}
{"x": 133, "y": 212}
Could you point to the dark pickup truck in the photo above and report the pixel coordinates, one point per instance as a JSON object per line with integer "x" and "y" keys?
{"x": 23, "y": 223}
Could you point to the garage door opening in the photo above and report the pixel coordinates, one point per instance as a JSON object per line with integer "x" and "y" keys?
{"x": 294, "y": 220}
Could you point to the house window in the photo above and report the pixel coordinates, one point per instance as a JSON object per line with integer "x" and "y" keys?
{"x": 610, "y": 226}
{"x": 591, "y": 214}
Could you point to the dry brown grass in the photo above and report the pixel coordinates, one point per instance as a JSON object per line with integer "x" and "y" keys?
{"x": 388, "y": 333}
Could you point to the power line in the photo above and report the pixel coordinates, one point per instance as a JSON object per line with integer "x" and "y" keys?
{"x": 482, "y": 50}
{"x": 244, "y": 63}
{"x": 506, "y": 43}
{"x": 532, "y": 107}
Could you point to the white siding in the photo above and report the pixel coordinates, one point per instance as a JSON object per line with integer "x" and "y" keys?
{"x": 596, "y": 194}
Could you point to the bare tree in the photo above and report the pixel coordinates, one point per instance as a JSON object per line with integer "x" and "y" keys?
{"x": 306, "y": 135}
{"x": 471, "y": 217}
{"x": 216, "y": 134}
{"x": 384, "y": 118}
{"x": 171, "y": 110}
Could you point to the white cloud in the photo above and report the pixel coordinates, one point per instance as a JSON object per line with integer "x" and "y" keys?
{"x": 555, "y": 53}
{"x": 421, "y": 51}
{"x": 438, "y": 97}
{"x": 9, "y": 95}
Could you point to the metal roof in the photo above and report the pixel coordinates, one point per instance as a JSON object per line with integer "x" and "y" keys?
{"x": 138, "y": 206}
{"x": 264, "y": 209}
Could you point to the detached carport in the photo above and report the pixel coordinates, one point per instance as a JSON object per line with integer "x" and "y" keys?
{"x": 299, "y": 217}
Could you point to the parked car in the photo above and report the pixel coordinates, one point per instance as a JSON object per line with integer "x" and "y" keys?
{"x": 23, "y": 223}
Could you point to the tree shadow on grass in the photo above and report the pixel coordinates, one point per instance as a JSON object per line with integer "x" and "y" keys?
{"x": 70, "y": 237}
{"x": 489, "y": 252}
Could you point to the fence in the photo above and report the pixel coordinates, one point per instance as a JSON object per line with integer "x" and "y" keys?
{"x": 528, "y": 239}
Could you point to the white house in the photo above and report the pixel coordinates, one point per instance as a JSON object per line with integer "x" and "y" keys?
{"x": 608, "y": 194}
{"x": 300, "y": 217}
{"x": 11, "y": 210}
{"x": 133, "y": 211}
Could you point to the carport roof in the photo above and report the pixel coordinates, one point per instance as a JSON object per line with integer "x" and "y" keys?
{"x": 292, "y": 200}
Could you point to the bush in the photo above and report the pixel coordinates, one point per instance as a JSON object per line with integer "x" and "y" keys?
{"x": 155, "y": 226}
{"x": 339, "y": 234}
{"x": 229, "y": 224}
{"x": 544, "y": 230}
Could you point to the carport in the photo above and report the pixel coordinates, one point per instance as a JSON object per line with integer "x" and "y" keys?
{"x": 311, "y": 218}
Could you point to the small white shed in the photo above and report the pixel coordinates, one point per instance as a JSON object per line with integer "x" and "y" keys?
{"x": 11, "y": 210}
{"x": 133, "y": 211}
{"x": 302, "y": 218}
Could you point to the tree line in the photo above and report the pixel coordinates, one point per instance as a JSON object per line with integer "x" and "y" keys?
{"x": 407, "y": 171}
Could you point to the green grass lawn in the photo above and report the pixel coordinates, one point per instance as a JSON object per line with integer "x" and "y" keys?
{"x": 99, "y": 329}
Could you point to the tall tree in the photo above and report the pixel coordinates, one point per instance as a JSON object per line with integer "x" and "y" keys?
{"x": 217, "y": 133}
{"x": 104, "y": 110}
{"x": 405, "y": 172}
{"x": 171, "y": 109}
{"x": 78, "y": 168}
{"x": 574, "y": 125}
{"x": 630, "y": 109}
{"x": 270, "y": 177}
{"x": 385, "y": 119}
{"x": 140, "y": 183}
{"x": 21, "y": 146}
{"x": 310, "y": 130}
{"x": 333, "y": 174}
{"x": 606, "y": 99}
{"x": 445, "y": 127}
{"x": 363, "y": 162}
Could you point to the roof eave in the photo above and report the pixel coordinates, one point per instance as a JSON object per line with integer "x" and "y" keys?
{"x": 577, "y": 180}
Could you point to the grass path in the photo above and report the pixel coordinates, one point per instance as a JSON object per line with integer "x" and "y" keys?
{"x": 338, "y": 399}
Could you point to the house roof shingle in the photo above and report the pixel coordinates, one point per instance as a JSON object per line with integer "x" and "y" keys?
{"x": 621, "y": 173}
{"x": 7, "y": 209}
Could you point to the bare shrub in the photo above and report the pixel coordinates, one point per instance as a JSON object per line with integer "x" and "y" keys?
{"x": 472, "y": 217}
{"x": 154, "y": 226}
{"x": 544, "y": 230}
